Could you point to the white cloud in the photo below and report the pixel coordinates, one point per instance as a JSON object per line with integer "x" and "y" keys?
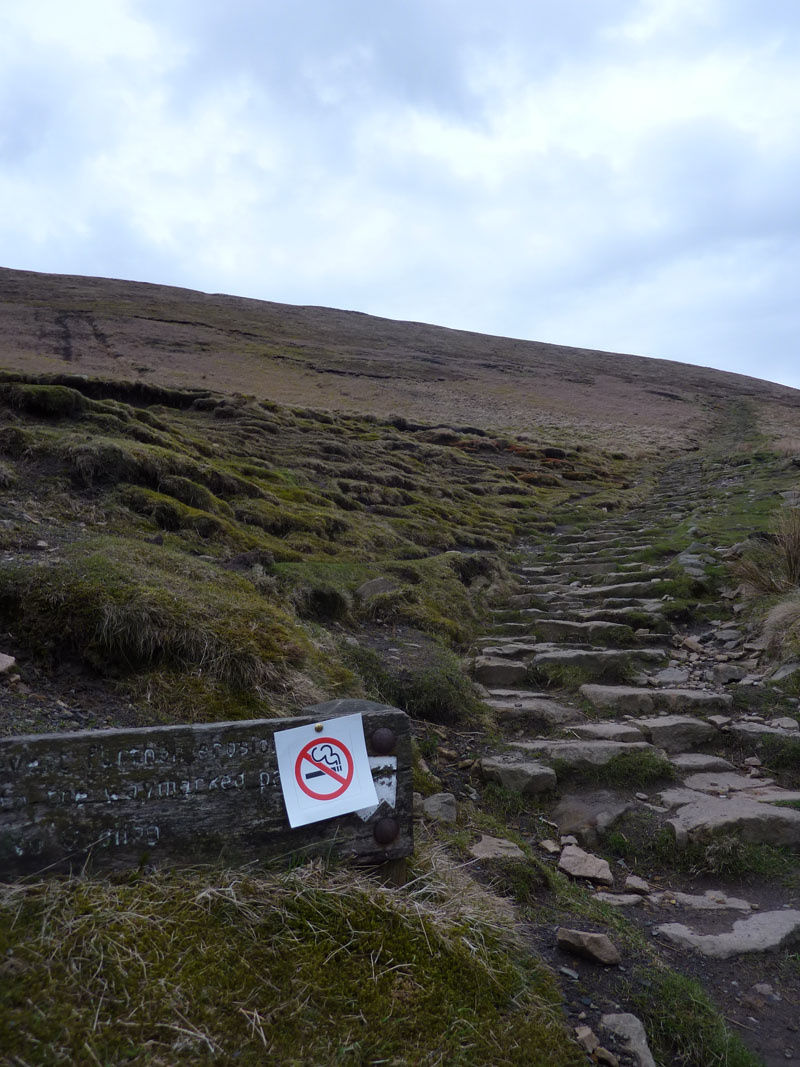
{"x": 622, "y": 176}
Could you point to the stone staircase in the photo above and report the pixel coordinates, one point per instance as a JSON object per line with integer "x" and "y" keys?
{"x": 586, "y": 664}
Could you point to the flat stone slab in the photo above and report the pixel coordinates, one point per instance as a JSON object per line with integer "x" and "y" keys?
{"x": 711, "y": 900}
{"x": 597, "y": 657}
{"x": 619, "y": 900}
{"x": 592, "y": 632}
{"x": 495, "y": 848}
{"x": 725, "y": 782}
{"x": 753, "y": 820}
{"x": 496, "y": 670}
{"x": 765, "y": 932}
{"x": 583, "y": 753}
{"x": 508, "y": 649}
{"x": 676, "y": 733}
{"x": 653, "y": 618}
{"x": 579, "y": 864}
{"x": 535, "y": 711}
{"x": 589, "y": 815}
{"x": 631, "y": 700}
{"x": 607, "y": 731}
{"x": 670, "y": 676}
{"x": 625, "y": 589}
{"x": 694, "y": 762}
{"x": 518, "y": 776}
{"x": 760, "y": 729}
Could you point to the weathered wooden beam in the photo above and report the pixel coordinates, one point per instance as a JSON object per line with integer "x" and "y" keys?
{"x": 188, "y": 794}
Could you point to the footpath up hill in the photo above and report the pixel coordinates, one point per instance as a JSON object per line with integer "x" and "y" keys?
{"x": 343, "y": 360}
{"x": 596, "y": 648}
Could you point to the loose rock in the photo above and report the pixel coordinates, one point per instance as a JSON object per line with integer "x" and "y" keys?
{"x": 590, "y": 945}
{"x": 632, "y": 1032}
{"x": 579, "y": 864}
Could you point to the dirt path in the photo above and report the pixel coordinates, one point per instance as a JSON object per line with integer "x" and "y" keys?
{"x": 612, "y": 665}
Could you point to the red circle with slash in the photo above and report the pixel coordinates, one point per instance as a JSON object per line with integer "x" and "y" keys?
{"x": 327, "y": 762}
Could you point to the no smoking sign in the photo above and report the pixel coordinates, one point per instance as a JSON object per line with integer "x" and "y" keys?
{"x": 324, "y": 773}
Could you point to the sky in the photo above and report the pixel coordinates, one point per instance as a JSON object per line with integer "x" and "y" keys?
{"x": 613, "y": 174}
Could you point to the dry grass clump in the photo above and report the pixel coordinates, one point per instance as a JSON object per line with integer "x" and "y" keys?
{"x": 781, "y": 625}
{"x": 773, "y": 565}
{"x": 314, "y": 966}
{"x": 116, "y": 602}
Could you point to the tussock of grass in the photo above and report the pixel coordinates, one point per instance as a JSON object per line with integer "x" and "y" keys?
{"x": 773, "y": 565}
{"x": 134, "y": 605}
{"x": 682, "y": 1024}
{"x": 639, "y": 838}
{"x": 438, "y": 690}
{"x": 627, "y": 770}
{"x": 310, "y": 966}
{"x": 573, "y": 676}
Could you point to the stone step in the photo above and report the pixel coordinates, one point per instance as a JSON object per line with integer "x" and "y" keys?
{"x": 624, "y": 589}
{"x": 638, "y": 603}
{"x": 517, "y": 775}
{"x": 537, "y": 713}
{"x": 637, "y": 615}
{"x": 598, "y": 657}
{"x": 607, "y": 731}
{"x": 639, "y": 575}
{"x": 634, "y": 700}
{"x": 518, "y": 601}
{"x": 511, "y": 650}
{"x": 700, "y": 818}
{"x": 584, "y": 753}
{"x": 765, "y": 932}
{"x": 498, "y": 671}
{"x": 550, "y": 628}
{"x": 676, "y": 733}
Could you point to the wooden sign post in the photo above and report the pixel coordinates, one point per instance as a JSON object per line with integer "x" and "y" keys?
{"x": 187, "y": 794}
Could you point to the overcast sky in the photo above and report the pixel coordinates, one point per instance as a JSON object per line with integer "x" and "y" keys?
{"x": 617, "y": 174}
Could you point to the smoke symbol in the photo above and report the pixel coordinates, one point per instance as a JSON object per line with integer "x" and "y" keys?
{"x": 327, "y": 754}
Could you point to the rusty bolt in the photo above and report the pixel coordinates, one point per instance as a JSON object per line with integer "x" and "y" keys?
{"x": 386, "y": 830}
{"x": 383, "y": 741}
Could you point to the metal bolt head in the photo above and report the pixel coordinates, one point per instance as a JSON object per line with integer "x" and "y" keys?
{"x": 383, "y": 741}
{"x": 386, "y": 830}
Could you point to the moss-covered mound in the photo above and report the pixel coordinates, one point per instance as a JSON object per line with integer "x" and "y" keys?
{"x": 207, "y": 549}
{"x": 309, "y": 967}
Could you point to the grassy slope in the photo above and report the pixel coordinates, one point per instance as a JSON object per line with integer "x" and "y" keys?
{"x": 204, "y": 552}
{"x": 349, "y": 361}
{"x": 265, "y": 522}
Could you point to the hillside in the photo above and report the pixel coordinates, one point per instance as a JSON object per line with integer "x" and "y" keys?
{"x": 220, "y": 509}
{"x": 348, "y": 361}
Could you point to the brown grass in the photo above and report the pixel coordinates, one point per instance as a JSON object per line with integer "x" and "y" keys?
{"x": 350, "y": 362}
{"x": 773, "y": 566}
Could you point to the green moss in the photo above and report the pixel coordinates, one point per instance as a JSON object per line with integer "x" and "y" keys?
{"x": 437, "y": 690}
{"x": 117, "y": 602}
{"x": 627, "y": 770}
{"x": 572, "y": 676}
{"x": 50, "y": 401}
{"x": 682, "y": 1024}
{"x": 639, "y": 838}
{"x": 169, "y": 514}
{"x": 307, "y": 967}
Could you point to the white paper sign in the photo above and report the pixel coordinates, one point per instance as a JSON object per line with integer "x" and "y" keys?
{"x": 324, "y": 772}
